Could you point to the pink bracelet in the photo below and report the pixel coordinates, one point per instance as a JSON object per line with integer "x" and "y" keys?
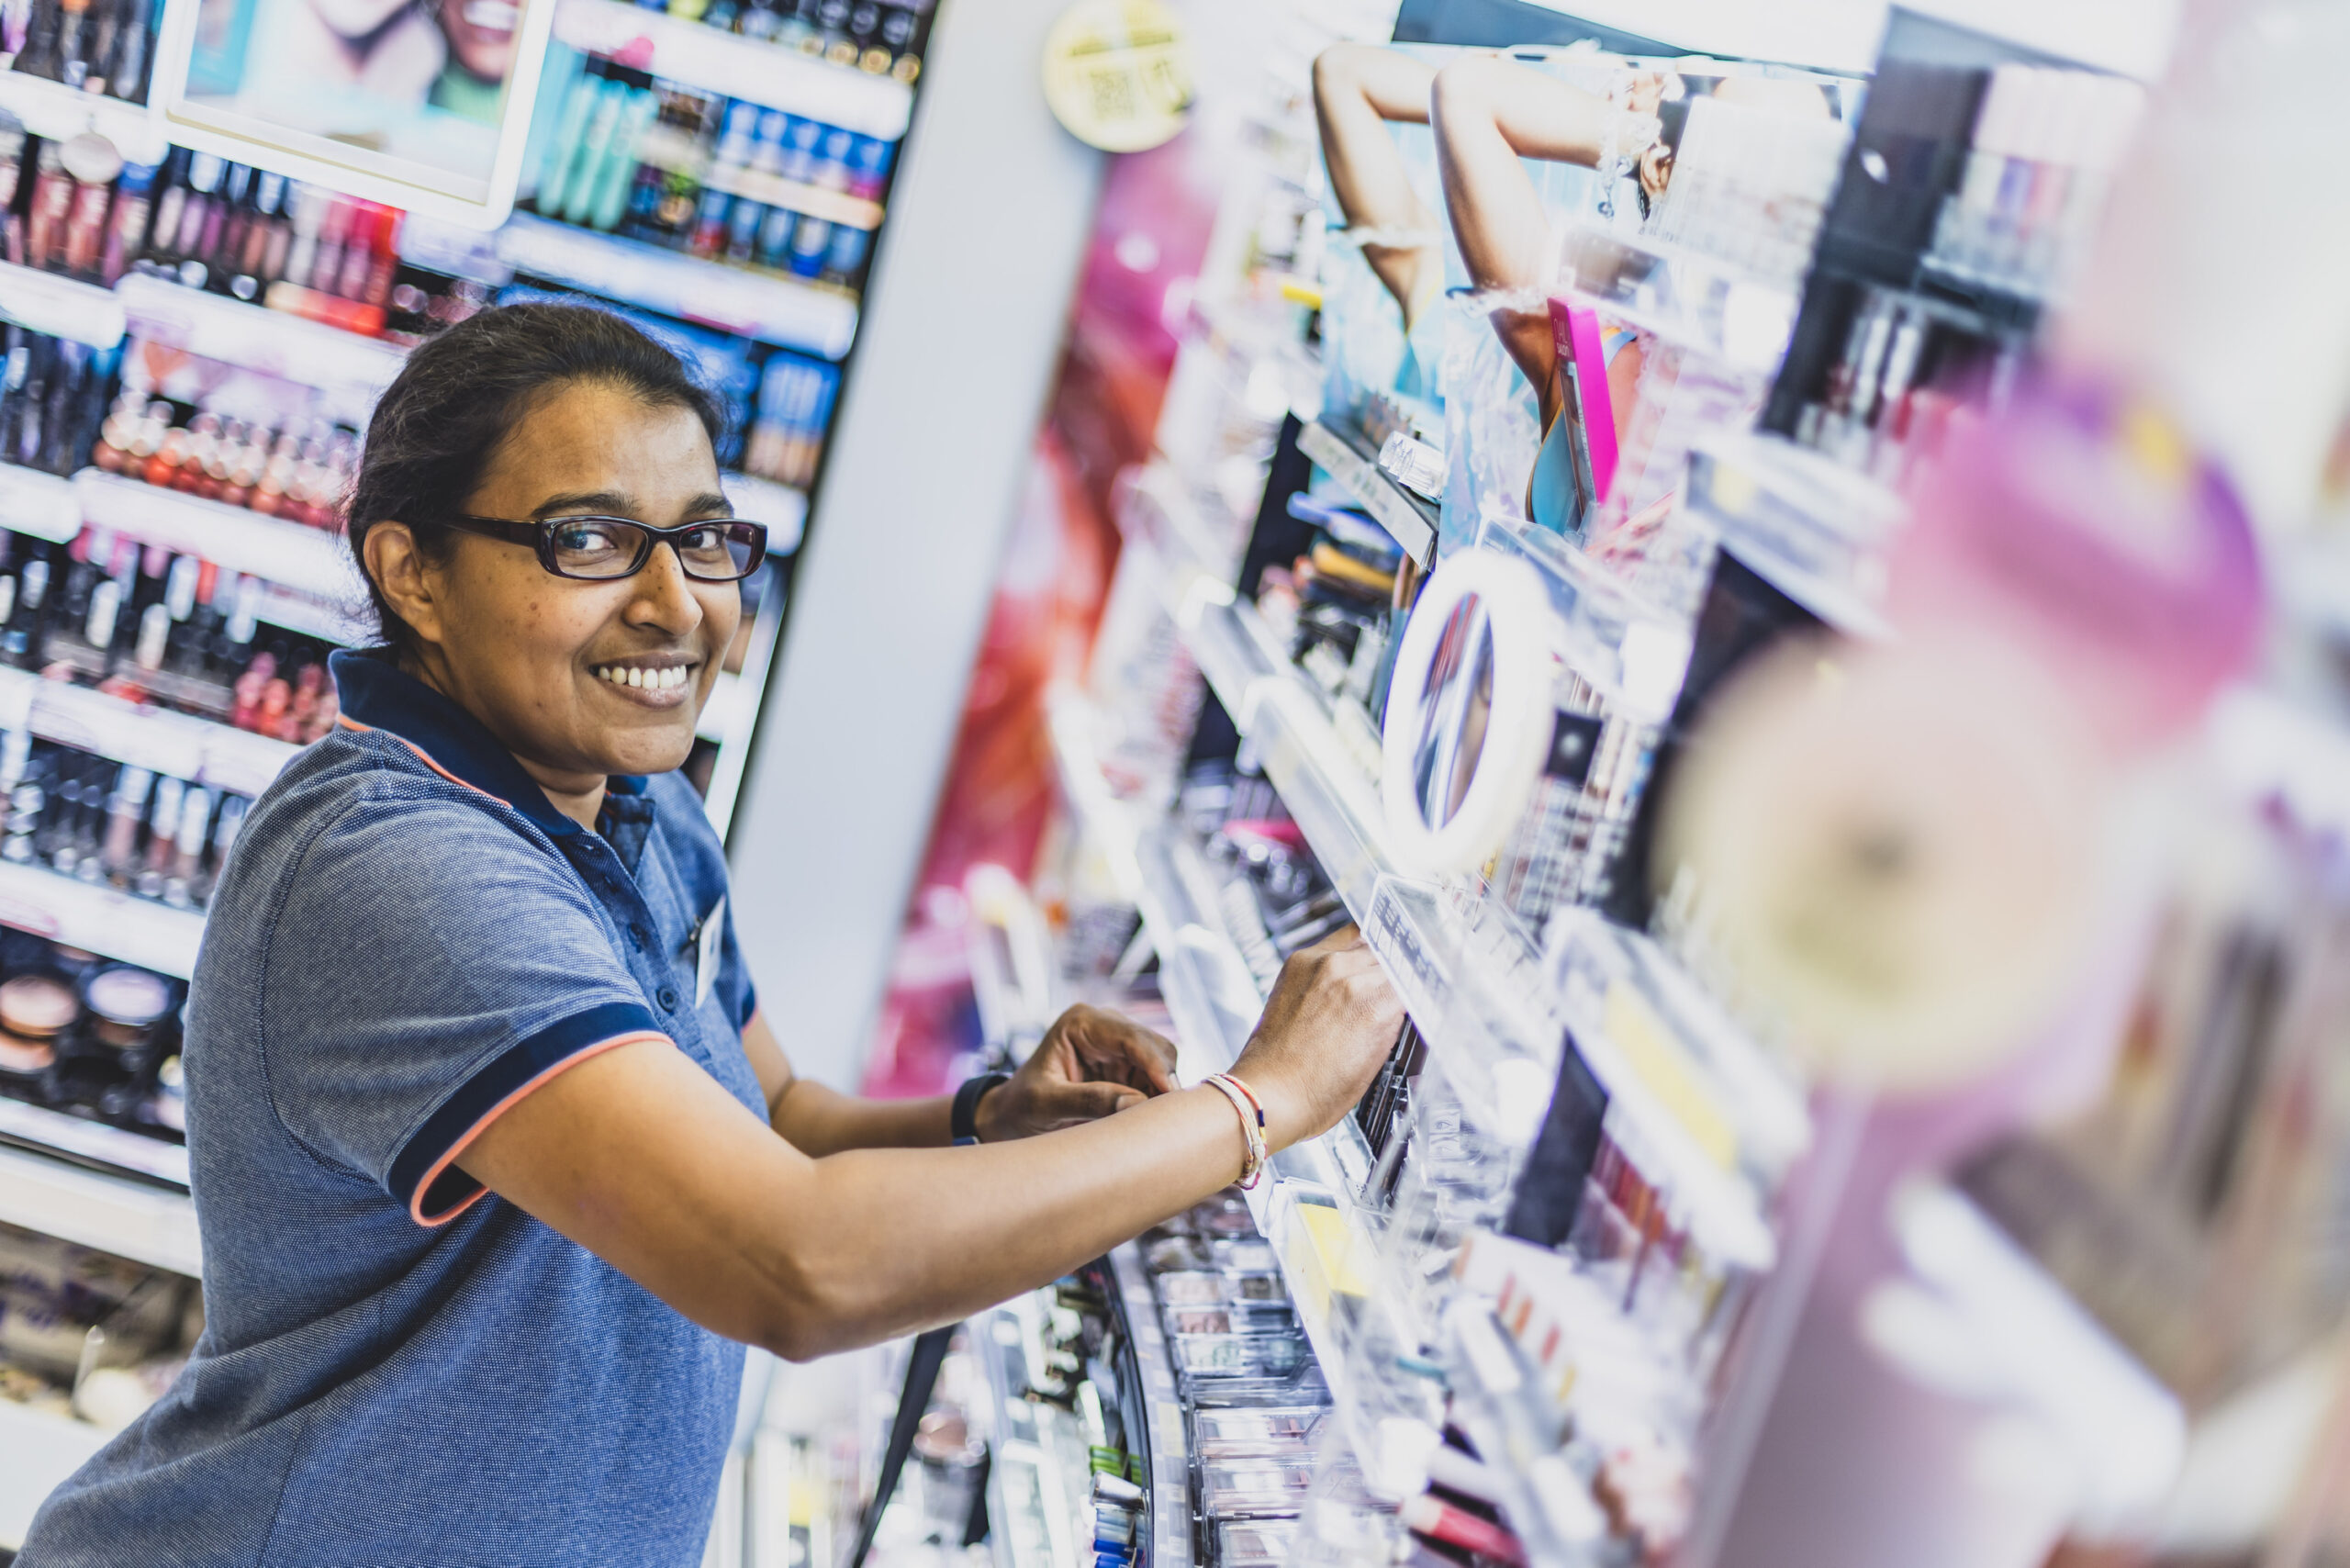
{"x": 1252, "y": 1123}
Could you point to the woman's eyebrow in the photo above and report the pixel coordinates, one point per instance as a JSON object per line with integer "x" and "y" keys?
{"x": 607, "y": 503}
{"x": 614, "y": 503}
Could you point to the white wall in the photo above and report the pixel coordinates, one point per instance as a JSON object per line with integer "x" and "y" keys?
{"x": 964, "y": 318}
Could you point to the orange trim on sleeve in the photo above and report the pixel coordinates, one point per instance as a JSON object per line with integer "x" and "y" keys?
{"x": 416, "y": 1205}
{"x": 348, "y": 723}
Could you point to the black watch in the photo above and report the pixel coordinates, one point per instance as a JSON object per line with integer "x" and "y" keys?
{"x": 964, "y": 1123}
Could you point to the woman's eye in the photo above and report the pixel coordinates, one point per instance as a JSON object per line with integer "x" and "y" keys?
{"x": 582, "y": 537}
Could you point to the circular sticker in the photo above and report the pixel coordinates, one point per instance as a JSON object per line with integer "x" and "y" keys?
{"x": 1118, "y": 74}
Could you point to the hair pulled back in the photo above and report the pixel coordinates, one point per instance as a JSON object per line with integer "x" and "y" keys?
{"x": 441, "y": 423}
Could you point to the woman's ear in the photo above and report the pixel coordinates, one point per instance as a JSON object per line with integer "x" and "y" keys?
{"x": 405, "y": 579}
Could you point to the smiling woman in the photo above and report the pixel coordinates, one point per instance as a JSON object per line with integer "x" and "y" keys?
{"x": 497, "y": 1160}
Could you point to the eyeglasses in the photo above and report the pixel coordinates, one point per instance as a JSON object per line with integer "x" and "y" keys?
{"x": 599, "y": 549}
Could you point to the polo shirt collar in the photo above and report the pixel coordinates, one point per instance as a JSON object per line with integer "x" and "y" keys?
{"x": 376, "y": 694}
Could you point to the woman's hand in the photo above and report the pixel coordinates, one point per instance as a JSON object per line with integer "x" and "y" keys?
{"x": 1328, "y": 1027}
{"x": 1091, "y": 1064}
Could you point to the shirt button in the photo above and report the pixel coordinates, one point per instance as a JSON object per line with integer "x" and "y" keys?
{"x": 668, "y": 999}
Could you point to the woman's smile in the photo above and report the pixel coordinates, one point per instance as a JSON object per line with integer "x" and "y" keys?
{"x": 650, "y": 680}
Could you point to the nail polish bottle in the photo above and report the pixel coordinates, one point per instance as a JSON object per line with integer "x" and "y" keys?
{"x": 203, "y": 442}
{"x": 154, "y": 867}
{"x": 309, "y": 213}
{"x": 245, "y": 465}
{"x": 163, "y": 468}
{"x": 104, "y": 30}
{"x": 384, "y": 257}
{"x": 184, "y": 863}
{"x": 224, "y": 250}
{"x": 20, "y": 640}
{"x": 126, "y": 79}
{"x": 147, "y": 437}
{"x": 199, "y": 218}
{"x": 170, "y": 191}
{"x": 126, "y": 809}
{"x": 224, "y": 839}
{"x": 269, "y": 490}
{"x": 72, "y": 64}
{"x": 126, "y": 235}
{"x": 52, "y": 199}
{"x": 60, "y": 438}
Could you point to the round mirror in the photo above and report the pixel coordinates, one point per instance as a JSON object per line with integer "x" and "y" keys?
{"x": 1456, "y": 702}
{"x": 1468, "y": 716}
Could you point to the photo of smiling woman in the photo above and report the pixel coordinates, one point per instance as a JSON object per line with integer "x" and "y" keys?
{"x": 498, "y": 1159}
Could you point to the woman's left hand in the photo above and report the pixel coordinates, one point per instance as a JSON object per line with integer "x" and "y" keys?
{"x": 1091, "y": 1064}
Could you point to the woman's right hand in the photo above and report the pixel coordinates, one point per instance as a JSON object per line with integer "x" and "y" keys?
{"x": 1328, "y": 1027}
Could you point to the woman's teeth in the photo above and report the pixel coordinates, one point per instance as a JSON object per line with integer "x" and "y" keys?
{"x": 638, "y": 675}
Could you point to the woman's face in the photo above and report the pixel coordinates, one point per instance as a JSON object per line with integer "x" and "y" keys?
{"x": 545, "y": 661}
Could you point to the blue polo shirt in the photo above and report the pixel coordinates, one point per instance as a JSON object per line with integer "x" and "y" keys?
{"x": 399, "y": 1370}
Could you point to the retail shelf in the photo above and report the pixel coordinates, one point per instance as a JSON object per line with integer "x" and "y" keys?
{"x": 771, "y": 74}
{"x": 198, "y": 750}
{"x": 1473, "y": 980}
{"x": 1410, "y": 520}
{"x": 766, "y": 306}
{"x": 97, "y": 919}
{"x": 55, "y": 112}
{"x": 1215, "y": 1003}
{"x": 43, "y": 505}
{"x": 60, "y": 308}
{"x": 37, "y": 1450}
{"x": 233, "y": 538}
{"x": 783, "y": 508}
{"x": 793, "y": 195}
{"x": 313, "y": 617}
{"x": 1034, "y": 1451}
{"x": 1815, "y": 529}
{"x": 1162, "y": 1415}
{"x": 131, "y": 1219}
{"x": 1159, "y": 511}
{"x": 1266, "y": 339}
{"x": 253, "y": 337}
{"x": 1684, "y": 297}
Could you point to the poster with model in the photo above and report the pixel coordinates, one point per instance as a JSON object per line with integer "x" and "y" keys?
{"x": 424, "y": 105}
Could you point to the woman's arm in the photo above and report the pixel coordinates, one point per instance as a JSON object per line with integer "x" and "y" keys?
{"x": 640, "y": 1156}
{"x": 1358, "y": 88}
{"x": 1488, "y": 114}
{"x": 1090, "y": 1064}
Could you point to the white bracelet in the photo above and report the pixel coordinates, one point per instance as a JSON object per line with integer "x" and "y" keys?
{"x": 1252, "y": 1123}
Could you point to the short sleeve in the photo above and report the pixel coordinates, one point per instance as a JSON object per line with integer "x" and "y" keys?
{"x": 429, "y": 968}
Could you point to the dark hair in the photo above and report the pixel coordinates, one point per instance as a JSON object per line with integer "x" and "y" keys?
{"x": 461, "y": 395}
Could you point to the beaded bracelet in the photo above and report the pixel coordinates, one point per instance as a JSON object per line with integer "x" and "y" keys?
{"x": 1252, "y": 1123}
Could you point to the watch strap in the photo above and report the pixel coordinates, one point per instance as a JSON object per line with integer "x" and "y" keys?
{"x": 964, "y": 1121}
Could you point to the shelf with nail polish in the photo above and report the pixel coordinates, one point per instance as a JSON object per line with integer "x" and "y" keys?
{"x": 770, "y": 73}
{"x": 234, "y": 538}
{"x": 768, "y": 307}
{"x": 54, "y": 112}
{"x": 129, "y": 1218}
{"x": 60, "y": 307}
{"x": 254, "y": 337}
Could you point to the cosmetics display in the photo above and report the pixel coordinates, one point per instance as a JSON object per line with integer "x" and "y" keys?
{"x": 85, "y": 1335}
{"x": 718, "y": 180}
{"x": 882, "y": 39}
{"x": 103, "y": 47}
{"x": 1800, "y": 1099}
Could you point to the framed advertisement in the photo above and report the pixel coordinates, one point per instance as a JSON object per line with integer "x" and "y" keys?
{"x": 423, "y": 105}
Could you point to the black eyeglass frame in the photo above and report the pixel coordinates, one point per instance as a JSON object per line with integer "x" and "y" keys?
{"x": 539, "y": 537}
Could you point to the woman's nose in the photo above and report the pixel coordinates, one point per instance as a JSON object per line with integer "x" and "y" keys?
{"x": 665, "y": 596}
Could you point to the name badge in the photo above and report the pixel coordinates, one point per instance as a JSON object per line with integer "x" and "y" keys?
{"x": 713, "y": 930}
